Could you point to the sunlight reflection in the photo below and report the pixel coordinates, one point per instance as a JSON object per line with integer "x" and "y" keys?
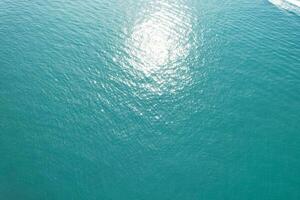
{"x": 159, "y": 44}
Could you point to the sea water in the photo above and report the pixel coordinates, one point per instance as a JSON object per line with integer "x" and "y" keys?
{"x": 149, "y": 100}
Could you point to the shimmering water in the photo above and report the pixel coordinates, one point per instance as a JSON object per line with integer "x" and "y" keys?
{"x": 149, "y": 99}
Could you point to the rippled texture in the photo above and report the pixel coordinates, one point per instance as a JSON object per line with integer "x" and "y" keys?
{"x": 149, "y": 99}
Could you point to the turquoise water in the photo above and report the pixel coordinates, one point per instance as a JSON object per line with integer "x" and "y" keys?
{"x": 149, "y": 100}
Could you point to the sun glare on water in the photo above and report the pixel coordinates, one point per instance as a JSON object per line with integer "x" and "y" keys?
{"x": 158, "y": 45}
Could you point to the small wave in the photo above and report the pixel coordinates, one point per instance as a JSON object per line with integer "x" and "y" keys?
{"x": 290, "y": 5}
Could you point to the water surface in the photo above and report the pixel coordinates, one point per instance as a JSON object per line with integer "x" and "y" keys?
{"x": 149, "y": 99}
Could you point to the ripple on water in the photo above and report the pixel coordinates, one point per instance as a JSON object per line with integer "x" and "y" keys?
{"x": 156, "y": 48}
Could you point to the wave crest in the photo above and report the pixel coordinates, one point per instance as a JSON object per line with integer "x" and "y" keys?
{"x": 290, "y": 5}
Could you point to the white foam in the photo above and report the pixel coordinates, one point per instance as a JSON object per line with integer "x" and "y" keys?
{"x": 290, "y": 5}
{"x": 294, "y": 2}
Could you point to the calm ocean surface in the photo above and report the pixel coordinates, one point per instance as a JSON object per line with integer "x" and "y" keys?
{"x": 149, "y": 99}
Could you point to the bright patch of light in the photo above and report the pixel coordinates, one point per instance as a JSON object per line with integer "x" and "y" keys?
{"x": 158, "y": 44}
